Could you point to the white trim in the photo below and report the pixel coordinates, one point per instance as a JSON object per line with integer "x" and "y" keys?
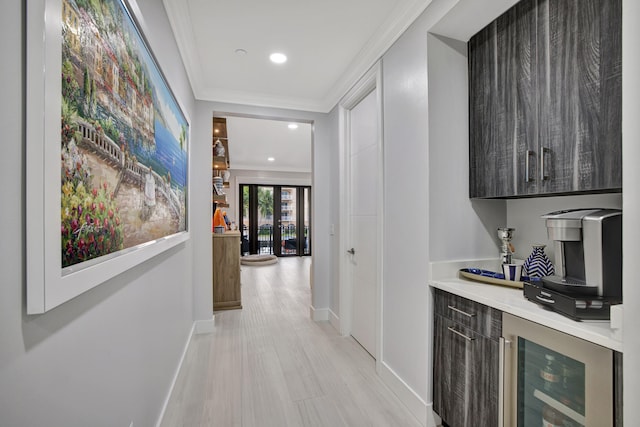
{"x": 205, "y": 326}
{"x": 407, "y": 396}
{"x": 375, "y": 49}
{"x": 318, "y": 314}
{"x": 176, "y": 373}
{"x": 334, "y": 320}
{"x": 372, "y": 80}
{"x": 248, "y": 180}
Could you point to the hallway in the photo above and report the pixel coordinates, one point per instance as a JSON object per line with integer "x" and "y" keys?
{"x": 269, "y": 365}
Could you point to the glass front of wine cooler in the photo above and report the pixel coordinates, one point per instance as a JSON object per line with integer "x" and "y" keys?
{"x": 551, "y": 391}
{"x": 553, "y": 379}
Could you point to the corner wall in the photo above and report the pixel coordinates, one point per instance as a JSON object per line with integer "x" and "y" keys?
{"x": 107, "y": 357}
{"x": 631, "y": 205}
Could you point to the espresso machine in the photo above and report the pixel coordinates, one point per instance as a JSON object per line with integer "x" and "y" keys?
{"x": 588, "y": 264}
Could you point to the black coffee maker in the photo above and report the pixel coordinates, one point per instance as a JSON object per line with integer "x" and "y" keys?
{"x": 588, "y": 263}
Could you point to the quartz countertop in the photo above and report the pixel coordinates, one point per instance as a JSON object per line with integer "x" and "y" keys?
{"x": 512, "y": 300}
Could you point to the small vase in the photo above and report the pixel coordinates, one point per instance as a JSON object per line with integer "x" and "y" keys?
{"x": 538, "y": 264}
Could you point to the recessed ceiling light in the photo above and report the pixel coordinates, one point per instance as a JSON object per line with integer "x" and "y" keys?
{"x": 293, "y": 126}
{"x": 241, "y": 52}
{"x": 271, "y": 159}
{"x": 278, "y": 58}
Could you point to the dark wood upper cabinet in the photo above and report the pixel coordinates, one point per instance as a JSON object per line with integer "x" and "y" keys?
{"x": 545, "y": 100}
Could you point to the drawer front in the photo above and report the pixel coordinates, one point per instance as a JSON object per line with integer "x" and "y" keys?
{"x": 465, "y": 375}
{"x": 480, "y": 318}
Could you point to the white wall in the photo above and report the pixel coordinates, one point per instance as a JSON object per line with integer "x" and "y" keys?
{"x": 324, "y": 144}
{"x": 405, "y": 253}
{"x": 631, "y": 205}
{"x": 460, "y": 228}
{"x": 107, "y": 357}
{"x": 524, "y": 216}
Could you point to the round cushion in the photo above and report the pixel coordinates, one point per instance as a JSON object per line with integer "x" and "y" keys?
{"x": 258, "y": 259}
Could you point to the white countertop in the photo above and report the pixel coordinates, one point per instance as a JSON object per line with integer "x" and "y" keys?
{"x": 512, "y": 300}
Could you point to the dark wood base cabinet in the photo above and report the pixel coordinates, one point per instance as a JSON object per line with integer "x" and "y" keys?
{"x": 466, "y": 362}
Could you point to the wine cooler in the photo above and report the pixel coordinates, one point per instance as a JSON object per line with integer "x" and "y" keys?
{"x": 551, "y": 379}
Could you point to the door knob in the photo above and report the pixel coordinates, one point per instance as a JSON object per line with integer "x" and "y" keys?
{"x": 351, "y": 251}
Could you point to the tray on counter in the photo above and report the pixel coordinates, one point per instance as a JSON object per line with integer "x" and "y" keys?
{"x": 493, "y": 278}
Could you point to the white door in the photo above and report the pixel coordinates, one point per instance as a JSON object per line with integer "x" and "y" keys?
{"x": 364, "y": 193}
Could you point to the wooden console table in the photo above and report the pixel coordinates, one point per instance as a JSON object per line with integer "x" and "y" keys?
{"x": 226, "y": 271}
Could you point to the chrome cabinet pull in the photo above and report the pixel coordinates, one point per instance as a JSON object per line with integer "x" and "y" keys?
{"x": 543, "y": 175}
{"x": 501, "y": 379}
{"x": 457, "y": 310}
{"x": 460, "y": 334}
{"x": 527, "y": 165}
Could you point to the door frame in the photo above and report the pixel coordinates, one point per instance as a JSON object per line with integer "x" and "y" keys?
{"x": 372, "y": 80}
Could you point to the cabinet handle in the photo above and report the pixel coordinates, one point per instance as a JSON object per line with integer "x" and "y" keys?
{"x": 501, "y": 379}
{"x": 543, "y": 175}
{"x": 457, "y": 310}
{"x": 547, "y": 300}
{"x": 460, "y": 334}
{"x": 527, "y": 166}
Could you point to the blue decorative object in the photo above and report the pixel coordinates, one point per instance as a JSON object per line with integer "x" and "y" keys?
{"x": 538, "y": 264}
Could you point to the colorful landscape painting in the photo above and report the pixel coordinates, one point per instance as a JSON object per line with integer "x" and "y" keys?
{"x": 124, "y": 139}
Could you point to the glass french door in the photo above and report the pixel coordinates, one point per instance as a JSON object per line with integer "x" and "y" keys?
{"x": 276, "y": 219}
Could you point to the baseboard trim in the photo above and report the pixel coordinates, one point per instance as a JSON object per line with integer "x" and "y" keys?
{"x": 407, "y": 396}
{"x": 318, "y": 314}
{"x": 205, "y": 326}
{"x": 334, "y": 320}
{"x": 175, "y": 374}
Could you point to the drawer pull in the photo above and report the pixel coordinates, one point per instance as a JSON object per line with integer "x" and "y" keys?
{"x": 460, "y": 334}
{"x": 457, "y": 310}
{"x": 547, "y": 300}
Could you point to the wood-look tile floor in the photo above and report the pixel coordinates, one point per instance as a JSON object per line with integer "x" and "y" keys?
{"x": 269, "y": 364}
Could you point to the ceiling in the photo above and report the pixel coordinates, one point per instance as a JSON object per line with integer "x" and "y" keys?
{"x": 329, "y": 45}
{"x": 253, "y": 141}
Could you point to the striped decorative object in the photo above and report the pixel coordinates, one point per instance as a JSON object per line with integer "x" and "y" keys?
{"x": 538, "y": 264}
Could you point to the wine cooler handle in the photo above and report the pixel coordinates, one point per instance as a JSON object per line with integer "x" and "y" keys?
{"x": 501, "y": 377}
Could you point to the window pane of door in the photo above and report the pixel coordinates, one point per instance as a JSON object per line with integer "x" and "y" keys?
{"x": 288, "y": 212}
{"x": 265, "y": 220}
{"x": 307, "y": 220}
{"x": 245, "y": 221}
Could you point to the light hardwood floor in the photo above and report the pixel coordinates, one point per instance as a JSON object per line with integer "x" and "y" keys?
{"x": 268, "y": 364}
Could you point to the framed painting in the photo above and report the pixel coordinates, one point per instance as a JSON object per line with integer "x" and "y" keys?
{"x": 107, "y": 149}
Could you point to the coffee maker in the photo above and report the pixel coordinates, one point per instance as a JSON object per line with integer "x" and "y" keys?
{"x": 588, "y": 263}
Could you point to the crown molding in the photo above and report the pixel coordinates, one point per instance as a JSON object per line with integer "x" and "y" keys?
{"x": 260, "y": 100}
{"x": 391, "y": 30}
{"x": 180, "y": 22}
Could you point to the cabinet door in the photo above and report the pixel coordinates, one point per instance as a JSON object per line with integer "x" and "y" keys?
{"x": 580, "y": 98}
{"x": 502, "y": 105}
{"x": 545, "y": 100}
{"x": 465, "y": 371}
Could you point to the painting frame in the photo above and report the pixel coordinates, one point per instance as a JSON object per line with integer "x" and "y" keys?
{"x": 49, "y": 284}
